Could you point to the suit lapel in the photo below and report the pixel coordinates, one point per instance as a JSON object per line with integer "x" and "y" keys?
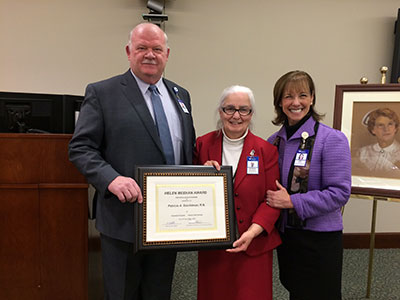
{"x": 215, "y": 149}
{"x": 185, "y": 119}
{"x": 241, "y": 170}
{"x": 174, "y": 96}
{"x": 135, "y": 97}
{"x": 215, "y": 153}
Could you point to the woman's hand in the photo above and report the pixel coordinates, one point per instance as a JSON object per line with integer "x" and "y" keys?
{"x": 213, "y": 163}
{"x": 245, "y": 239}
{"x": 279, "y": 198}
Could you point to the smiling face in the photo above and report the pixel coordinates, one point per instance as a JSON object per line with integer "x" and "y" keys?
{"x": 147, "y": 52}
{"x": 292, "y": 84}
{"x": 385, "y": 130}
{"x": 235, "y": 125}
{"x": 296, "y": 102}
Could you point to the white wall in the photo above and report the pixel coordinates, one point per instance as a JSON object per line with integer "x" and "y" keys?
{"x": 54, "y": 46}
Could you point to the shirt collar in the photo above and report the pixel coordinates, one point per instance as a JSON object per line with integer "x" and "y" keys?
{"x": 308, "y": 126}
{"x": 143, "y": 86}
{"x": 290, "y": 130}
{"x": 235, "y": 140}
{"x": 388, "y": 149}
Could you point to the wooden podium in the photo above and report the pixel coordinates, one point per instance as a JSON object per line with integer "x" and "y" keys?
{"x": 43, "y": 220}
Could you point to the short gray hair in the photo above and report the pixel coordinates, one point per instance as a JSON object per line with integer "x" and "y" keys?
{"x": 232, "y": 90}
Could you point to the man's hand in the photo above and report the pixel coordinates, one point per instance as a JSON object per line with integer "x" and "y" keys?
{"x": 126, "y": 189}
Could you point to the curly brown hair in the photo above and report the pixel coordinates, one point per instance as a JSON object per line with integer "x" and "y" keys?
{"x": 384, "y": 112}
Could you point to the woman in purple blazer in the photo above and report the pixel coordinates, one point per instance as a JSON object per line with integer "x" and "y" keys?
{"x": 315, "y": 168}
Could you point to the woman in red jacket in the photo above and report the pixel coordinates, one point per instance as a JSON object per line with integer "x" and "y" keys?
{"x": 245, "y": 271}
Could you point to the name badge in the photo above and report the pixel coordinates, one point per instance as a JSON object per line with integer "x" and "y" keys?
{"x": 301, "y": 158}
{"x": 252, "y": 165}
{"x": 183, "y": 106}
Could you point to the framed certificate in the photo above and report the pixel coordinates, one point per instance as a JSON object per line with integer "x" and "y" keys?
{"x": 184, "y": 208}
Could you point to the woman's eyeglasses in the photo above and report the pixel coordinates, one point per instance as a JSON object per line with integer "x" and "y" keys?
{"x": 230, "y": 110}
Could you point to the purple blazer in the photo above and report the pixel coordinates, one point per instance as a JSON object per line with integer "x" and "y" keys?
{"x": 329, "y": 183}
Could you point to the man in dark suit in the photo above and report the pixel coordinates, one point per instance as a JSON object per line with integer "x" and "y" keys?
{"x": 117, "y": 130}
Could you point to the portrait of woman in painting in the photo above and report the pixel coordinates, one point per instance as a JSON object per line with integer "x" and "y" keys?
{"x": 383, "y": 156}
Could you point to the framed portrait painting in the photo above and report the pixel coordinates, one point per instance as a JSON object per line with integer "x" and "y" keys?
{"x": 369, "y": 116}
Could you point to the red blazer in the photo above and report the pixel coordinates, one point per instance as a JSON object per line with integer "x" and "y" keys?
{"x": 249, "y": 190}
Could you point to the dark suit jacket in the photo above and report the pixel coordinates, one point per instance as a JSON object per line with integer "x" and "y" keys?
{"x": 249, "y": 190}
{"x": 115, "y": 132}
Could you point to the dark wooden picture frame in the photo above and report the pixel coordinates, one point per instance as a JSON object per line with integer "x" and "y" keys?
{"x": 185, "y": 208}
{"x": 353, "y": 103}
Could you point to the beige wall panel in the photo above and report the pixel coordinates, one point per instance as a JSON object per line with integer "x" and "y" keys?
{"x": 54, "y": 46}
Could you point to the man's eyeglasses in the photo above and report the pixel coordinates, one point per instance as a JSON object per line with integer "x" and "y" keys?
{"x": 243, "y": 111}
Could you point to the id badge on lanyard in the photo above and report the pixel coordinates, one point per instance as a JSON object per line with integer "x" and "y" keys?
{"x": 252, "y": 163}
{"x": 301, "y": 158}
{"x": 183, "y": 106}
